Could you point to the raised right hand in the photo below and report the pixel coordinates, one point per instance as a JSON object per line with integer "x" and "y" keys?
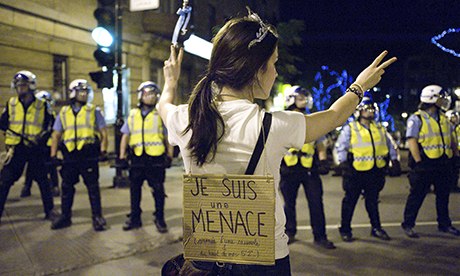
{"x": 372, "y": 75}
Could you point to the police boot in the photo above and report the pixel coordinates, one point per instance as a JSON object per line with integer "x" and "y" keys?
{"x": 133, "y": 222}
{"x": 52, "y": 215}
{"x": 4, "y": 190}
{"x": 68, "y": 192}
{"x": 25, "y": 192}
{"x": 159, "y": 221}
{"x": 99, "y": 223}
{"x": 62, "y": 221}
{"x": 158, "y": 215}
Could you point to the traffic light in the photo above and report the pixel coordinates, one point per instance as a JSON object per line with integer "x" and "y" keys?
{"x": 104, "y": 33}
{"x": 104, "y": 79}
{"x": 105, "y": 57}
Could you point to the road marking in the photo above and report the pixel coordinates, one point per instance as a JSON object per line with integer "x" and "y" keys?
{"x": 367, "y": 225}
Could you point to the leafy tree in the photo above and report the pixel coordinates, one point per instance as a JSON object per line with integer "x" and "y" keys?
{"x": 290, "y": 41}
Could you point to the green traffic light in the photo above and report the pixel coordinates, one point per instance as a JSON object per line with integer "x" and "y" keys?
{"x": 102, "y": 36}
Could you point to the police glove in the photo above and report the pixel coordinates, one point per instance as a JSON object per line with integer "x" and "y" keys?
{"x": 103, "y": 156}
{"x": 55, "y": 161}
{"x": 122, "y": 163}
{"x": 395, "y": 169}
{"x": 168, "y": 162}
{"x": 323, "y": 167}
{"x": 418, "y": 167}
{"x": 346, "y": 169}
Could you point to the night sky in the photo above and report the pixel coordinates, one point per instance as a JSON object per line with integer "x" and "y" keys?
{"x": 349, "y": 34}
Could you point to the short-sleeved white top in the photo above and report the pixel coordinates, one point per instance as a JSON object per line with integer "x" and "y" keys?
{"x": 243, "y": 121}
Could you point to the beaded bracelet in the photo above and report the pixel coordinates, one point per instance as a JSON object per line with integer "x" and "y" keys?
{"x": 358, "y": 86}
{"x": 355, "y": 91}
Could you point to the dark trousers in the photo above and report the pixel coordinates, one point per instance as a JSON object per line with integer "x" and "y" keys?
{"x": 88, "y": 168}
{"x": 454, "y": 182}
{"x": 420, "y": 182}
{"x": 51, "y": 171}
{"x": 368, "y": 183}
{"x": 14, "y": 169}
{"x": 150, "y": 169}
{"x": 313, "y": 188}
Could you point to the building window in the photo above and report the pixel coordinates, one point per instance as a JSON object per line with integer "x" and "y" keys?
{"x": 60, "y": 77}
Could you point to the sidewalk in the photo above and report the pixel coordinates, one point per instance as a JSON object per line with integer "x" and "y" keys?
{"x": 29, "y": 247}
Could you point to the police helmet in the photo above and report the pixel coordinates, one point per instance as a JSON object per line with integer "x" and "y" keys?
{"x": 435, "y": 94}
{"x": 79, "y": 85}
{"x": 295, "y": 91}
{"x": 147, "y": 87}
{"x": 44, "y": 95}
{"x": 22, "y": 77}
{"x": 367, "y": 104}
{"x": 453, "y": 116}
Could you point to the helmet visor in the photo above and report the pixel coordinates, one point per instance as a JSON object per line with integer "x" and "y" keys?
{"x": 444, "y": 101}
{"x": 149, "y": 95}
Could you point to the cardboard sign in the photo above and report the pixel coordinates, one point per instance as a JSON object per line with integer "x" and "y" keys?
{"x": 229, "y": 218}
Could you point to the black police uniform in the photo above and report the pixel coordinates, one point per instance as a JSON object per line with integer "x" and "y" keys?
{"x": 82, "y": 162}
{"x": 148, "y": 168}
{"x": 291, "y": 179}
{"x": 421, "y": 176}
{"x": 27, "y": 152}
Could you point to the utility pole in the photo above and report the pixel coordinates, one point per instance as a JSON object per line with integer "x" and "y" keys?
{"x": 119, "y": 180}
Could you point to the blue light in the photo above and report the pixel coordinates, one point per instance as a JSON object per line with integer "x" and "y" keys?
{"x": 436, "y": 38}
{"x": 321, "y": 93}
{"x": 384, "y": 116}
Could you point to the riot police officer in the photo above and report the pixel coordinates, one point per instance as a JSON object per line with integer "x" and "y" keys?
{"x": 431, "y": 146}
{"x": 303, "y": 166}
{"x": 51, "y": 171}
{"x": 84, "y": 136}
{"x": 27, "y": 123}
{"x": 363, "y": 148}
{"x": 454, "y": 119}
{"x": 145, "y": 134}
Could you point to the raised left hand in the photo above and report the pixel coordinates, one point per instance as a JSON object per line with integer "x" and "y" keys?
{"x": 172, "y": 66}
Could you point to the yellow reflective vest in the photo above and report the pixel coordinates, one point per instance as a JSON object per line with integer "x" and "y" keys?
{"x": 434, "y": 136}
{"x": 306, "y": 156}
{"x": 27, "y": 123}
{"x": 368, "y": 146}
{"x": 146, "y": 133}
{"x": 79, "y": 129}
{"x": 457, "y": 135}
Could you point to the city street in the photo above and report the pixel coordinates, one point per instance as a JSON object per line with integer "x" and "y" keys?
{"x": 29, "y": 247}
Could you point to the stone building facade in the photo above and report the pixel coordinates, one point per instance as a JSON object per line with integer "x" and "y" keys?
{"x": 52, "y": 39}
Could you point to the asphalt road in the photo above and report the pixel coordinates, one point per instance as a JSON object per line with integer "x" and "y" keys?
{"x": 29, "y": 247}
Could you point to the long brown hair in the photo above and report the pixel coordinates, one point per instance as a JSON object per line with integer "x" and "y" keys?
{"x": 232, "y": 64}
